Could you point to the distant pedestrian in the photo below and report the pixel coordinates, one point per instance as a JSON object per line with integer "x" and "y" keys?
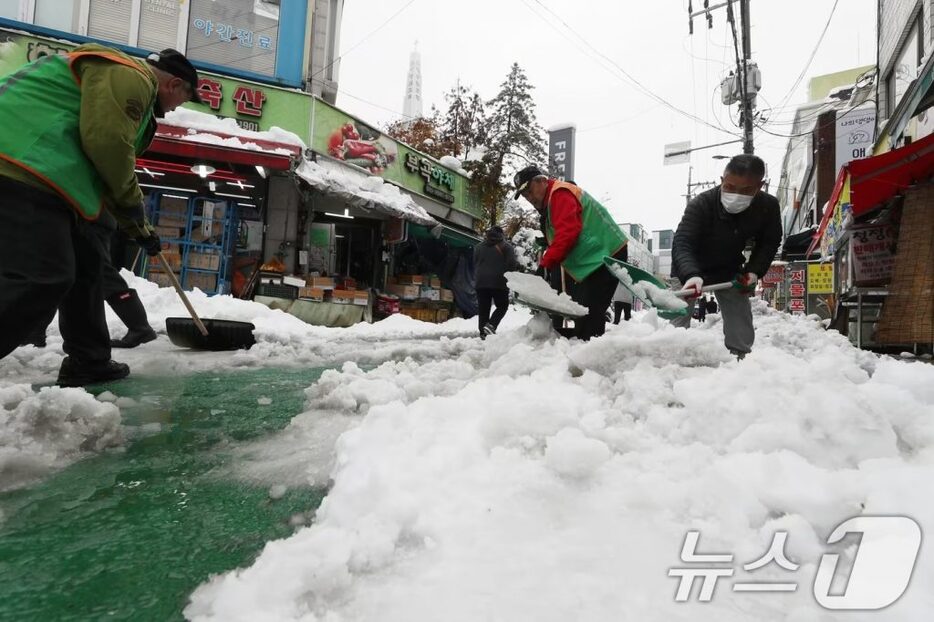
{"x": 622, "y": 304}
{"x": 493, "y": 258}
{"x": 701, "y": 310}
{"x": 711, "y": 305}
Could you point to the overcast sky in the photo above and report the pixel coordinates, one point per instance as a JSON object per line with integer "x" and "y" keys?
{"x": 621, "y": 132}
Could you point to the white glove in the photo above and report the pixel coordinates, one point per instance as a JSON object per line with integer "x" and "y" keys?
{"x": 696, "y": 284}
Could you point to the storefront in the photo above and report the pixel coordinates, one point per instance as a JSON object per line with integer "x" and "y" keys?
{"x": 379, "y": 222}
{"x": 878, "y": 232}
{"x": 210, "y": 174}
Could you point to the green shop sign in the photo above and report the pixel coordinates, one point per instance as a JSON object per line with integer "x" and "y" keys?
{"x": 346, "y": 138}
{"x": 254, "y": 106}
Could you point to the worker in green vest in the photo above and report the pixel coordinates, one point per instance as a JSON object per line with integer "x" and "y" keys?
{"x": 80, "y": 120}
{"x": 580, "y": 233}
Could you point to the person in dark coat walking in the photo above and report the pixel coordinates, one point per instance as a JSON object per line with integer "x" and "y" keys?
{"x": 708, "y": 245}
{"x": 711, "y": 305}
{"x": 493, "y": 258}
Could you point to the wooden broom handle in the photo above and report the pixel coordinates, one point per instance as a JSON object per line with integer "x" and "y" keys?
{"x": 181, "y": 294}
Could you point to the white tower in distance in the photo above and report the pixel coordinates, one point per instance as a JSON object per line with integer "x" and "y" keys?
{"x": 412, "y": 108}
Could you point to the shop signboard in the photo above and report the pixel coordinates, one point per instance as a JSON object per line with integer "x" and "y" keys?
{"x": 254, "y": 106}
{"x": 561, "y": 152}
{"x": 855, "y": 134}
{"x": 774, "y": 275}
{"x": 872, "y": 254}
{"x": 346, "y": 138}
{"x": 820, "y": 278}
{"x": 797, "y": 287}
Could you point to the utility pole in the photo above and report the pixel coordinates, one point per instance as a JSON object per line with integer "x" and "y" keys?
{"x": 742, "y": 86}
{"x": 747, "y": 99}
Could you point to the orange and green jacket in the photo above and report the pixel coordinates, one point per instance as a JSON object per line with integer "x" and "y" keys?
{"x": 81, "y": 119}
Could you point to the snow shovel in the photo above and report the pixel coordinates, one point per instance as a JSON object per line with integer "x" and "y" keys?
{"x": 630, "y": 276}
{"x": 194, "y": 333}
{"x": 534, "y": 292}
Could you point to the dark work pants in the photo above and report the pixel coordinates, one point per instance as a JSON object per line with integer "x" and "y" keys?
{"x": 621, "y": 309}
{"x": 49, "y": 259}
{"x": 595, "y": 292}
{"x": 486, "y": 296}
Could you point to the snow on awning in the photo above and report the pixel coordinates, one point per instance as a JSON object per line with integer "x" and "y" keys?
{"x": 362, "y": 191}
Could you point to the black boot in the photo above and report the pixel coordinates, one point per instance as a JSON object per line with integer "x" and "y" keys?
{"x": 130, "y": 310}
{"x": 73, "y": 373}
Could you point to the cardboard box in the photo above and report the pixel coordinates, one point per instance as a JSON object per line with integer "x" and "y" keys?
{"x": 406, "y": 292}
{"x": 386, "y": 304}
{"x": 342, "y": 296}
{"x": 173, "y": 261}
{"x": 203, "y": 281}
{"x": 410, "y": 279}
{"x": 160, "y": 278}
{"x": 171, "y": 233}
{"x": 361, "y": 298}
{"x": 324, "y": 282}
{"x": 435, "y": 282}
{"x": 442, "y": 315}
{"x": 172, "y": 220}
{"x": 170, "y": 247}
{"x": 204, "y": 261}
{"x": 294, "y": 280}
{"x": 311, "y": 293}
{"x": 447, "y": 295}
{"x": 430, "y": 293}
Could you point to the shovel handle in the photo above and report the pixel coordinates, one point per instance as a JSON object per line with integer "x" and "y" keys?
{"x": 707, "y": 288}
{"x": 181, "y": 294}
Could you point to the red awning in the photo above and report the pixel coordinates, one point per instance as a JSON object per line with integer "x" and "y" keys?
{"x": 876, "y": 179}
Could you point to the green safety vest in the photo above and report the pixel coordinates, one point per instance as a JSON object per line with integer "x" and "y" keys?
{"x": 600, "y": 236}
{"x": 40, "y": 108}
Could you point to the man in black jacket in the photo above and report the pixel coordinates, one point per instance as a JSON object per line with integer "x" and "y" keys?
{"x": 708, "y": 246}
{"x": 493, "y": 258}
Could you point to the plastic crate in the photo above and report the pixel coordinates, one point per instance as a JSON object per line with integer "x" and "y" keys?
{"x": 277, "y": 290}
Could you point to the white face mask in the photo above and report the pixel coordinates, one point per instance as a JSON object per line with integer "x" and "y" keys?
{"x": 734, "y": 203}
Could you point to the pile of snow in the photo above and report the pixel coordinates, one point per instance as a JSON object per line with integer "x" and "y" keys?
{"x": 536, "y": 291}
{"x": 454, "y": 164}
{"x": 556, "y": 480}
{"x": 49, "y": 429}
{"x": 199, "y": 122}
{"x": 362, "y": 191}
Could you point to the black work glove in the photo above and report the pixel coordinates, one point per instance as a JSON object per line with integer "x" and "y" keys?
{"x": 150, "y": 243}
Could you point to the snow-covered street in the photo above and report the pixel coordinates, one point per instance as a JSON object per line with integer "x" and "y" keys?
{"x": 522, "y": 478}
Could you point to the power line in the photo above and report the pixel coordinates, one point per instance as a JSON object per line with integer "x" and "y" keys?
{"x": 807, "y": 65}
{"x": 631, "y": 79}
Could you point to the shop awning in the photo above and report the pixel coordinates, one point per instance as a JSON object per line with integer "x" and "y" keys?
{"x": 181, "y": 141}
{"x": 874, "y": 180}
{"x": 363, "y": 191}
{"x": 455, "y": 236}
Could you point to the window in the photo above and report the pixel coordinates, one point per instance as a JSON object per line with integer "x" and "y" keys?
{"x": 110, "y": 20}
{"x": 58, "y": 14}
{"x": 905, "y": 69}
{"x": 239, "y": 34}
{"x": 9, "y": 9}
{"x": 158, "y": 24}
